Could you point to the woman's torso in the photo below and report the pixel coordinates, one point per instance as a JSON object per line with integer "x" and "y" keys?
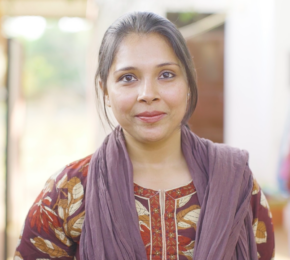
{"x": 167, "y": 219}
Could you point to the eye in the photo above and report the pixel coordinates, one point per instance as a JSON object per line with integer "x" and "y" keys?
{"x": 128, "y": 78}
{"x": 167, "y": 75}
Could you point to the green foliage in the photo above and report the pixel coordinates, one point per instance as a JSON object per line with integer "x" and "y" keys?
{"x": 56, "y": 60}
{"x": 186, "y": 17}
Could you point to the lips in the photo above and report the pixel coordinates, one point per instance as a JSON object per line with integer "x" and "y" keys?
{"x": 151, "y": 117}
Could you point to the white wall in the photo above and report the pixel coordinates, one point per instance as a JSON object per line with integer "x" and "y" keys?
{"x": 202, "y": 6}
{"x": 256, "y": 78}
{"x": 281, "y": 97}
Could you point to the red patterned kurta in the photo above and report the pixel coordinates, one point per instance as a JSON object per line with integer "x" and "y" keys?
{"x": 167, "y": 219}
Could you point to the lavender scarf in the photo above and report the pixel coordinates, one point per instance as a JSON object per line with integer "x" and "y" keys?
{"x": 223, "y": 181}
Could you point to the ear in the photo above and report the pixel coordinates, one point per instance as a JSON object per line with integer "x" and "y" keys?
{"x": 107, "y": 100}
{"x": 101, "y": 85}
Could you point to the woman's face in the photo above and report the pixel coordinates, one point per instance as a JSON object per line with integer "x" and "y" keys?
{"x": 147, "y": 88}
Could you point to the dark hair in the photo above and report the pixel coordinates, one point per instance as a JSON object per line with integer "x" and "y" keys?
{"x": 144, "y": 23}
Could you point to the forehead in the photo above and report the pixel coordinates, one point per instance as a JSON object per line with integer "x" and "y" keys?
{"x": 139, "y": 49}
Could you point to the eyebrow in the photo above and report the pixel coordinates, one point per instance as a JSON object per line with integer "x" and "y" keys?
{"x": 125, "y": 69}
{"x": 159, "y": 65}
{"x": 168, "y": 63}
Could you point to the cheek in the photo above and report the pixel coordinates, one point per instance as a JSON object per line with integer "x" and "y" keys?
{"x": 122, "y": 101}
{"x": 176, "y": 97}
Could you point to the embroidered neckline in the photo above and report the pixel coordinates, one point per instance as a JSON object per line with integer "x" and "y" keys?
{"x": 175, "y": 193}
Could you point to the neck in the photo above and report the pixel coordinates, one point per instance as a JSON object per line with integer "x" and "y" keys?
{"x": 164, "y": 151}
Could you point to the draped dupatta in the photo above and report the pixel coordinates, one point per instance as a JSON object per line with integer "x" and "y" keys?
{"x": 223, "y": 182}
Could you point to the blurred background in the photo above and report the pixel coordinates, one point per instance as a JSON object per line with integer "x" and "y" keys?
{"x": 48, "y": 112}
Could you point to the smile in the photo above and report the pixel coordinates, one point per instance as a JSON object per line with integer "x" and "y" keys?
{"x": 151, "y": 117}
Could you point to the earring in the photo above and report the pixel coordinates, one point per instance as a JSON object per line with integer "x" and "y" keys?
{"x": 108, "y": 101}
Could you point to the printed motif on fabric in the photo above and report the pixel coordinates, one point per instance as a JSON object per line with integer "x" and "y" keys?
{"x": 59, "y": 210}
{"x": 172, "y": 231}
{"x": 167, "y": 219}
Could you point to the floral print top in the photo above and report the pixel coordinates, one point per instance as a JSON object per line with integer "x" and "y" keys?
{"x": 167, "y": 219}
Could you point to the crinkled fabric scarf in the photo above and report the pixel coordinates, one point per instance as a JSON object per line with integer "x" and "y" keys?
{"x": 223, "y": 181}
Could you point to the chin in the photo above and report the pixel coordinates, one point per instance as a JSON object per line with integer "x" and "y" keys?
{"x": 152, "y": 135}
{"x": 151, "y": 138}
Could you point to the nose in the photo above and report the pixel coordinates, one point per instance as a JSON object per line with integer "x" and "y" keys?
{"x": 148, "y": 92}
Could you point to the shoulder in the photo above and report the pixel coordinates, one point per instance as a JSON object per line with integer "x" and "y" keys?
{"x": 228, "y": 150}
{"x": 69, "y": 195}
{"x": 224, "y": 152}
{"x": 69, "y": 188}
{"x": 77, "y": 170}
{"x": 64, "y": 180}
{"x": 229, "y": 162}
{"x": 55, "y": 218}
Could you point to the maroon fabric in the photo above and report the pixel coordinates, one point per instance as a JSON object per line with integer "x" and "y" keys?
{"x": 223, "y": 181}
{"x": 56, "y": 217}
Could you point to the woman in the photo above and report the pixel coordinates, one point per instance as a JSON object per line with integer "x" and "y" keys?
{"x": 153, "y": 190}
